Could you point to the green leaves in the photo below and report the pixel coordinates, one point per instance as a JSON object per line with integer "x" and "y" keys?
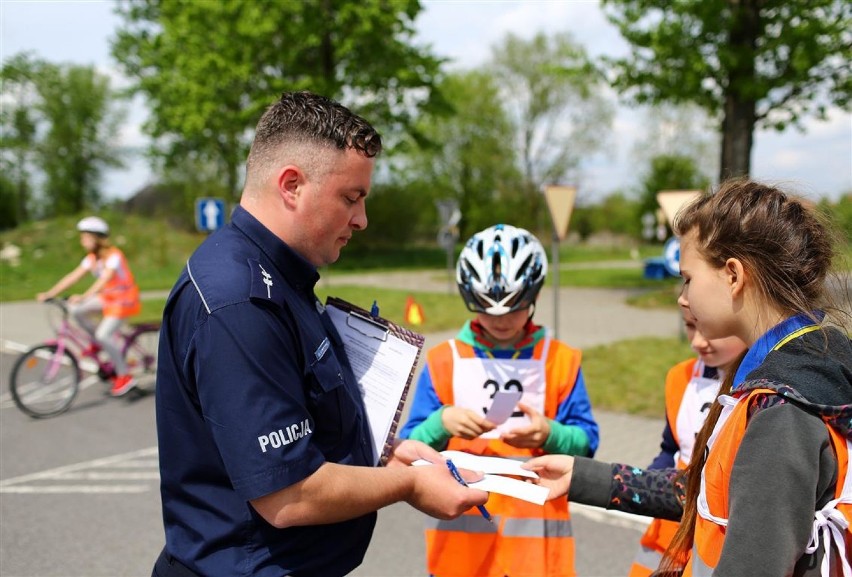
{"x": 61, "y": 121}
{"x": 209, "y": 69}
{"x": 769, "y": 63}
{"x": 553, "y": 95}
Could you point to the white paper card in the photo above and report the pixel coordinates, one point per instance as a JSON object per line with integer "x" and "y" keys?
{"x": 512, "y": 487}
{"x": 494, "y": 481}
{"x": 503, "y": 406}
{"x": 495, "y": 465}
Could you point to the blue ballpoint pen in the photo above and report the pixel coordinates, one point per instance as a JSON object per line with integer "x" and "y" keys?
{"x": 452, "y": 467}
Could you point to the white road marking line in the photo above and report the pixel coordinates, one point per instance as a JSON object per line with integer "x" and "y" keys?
{"x": 34, "y": 482}
{"x": 63, "y": 489}
{"x": 617, "y": 518}
{"x": 137, "y": 464}
{"x": 13, "y": 347}
{"x": 94, "y": 476}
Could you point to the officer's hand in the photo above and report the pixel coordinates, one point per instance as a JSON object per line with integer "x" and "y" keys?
{"x": 407, "y": 451}
{"x": 464, "y": 423}
{"x": 531, "y": 436}
{"x": 554, "y": 472}
{"x": 438, "y": 494}
{"x": 41, "y": 297}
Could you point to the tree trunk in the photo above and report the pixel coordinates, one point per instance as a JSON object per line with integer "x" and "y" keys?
{"x": 737, "y": 137}
{"x": 233, "y": 169}
{"x": 739, "y": 115}
{"x": 23, "y": 192}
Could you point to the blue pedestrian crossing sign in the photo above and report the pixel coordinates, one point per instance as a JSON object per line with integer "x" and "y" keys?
{"x": 209, "y": 214}
{"x": 671, "y": 256}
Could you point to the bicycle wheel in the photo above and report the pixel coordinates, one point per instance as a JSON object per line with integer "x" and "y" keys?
{"x": 141, "y": 354}
{"x": 43, "y": 382}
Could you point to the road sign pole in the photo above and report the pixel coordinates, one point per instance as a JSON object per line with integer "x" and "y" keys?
{"x": 554, "y": 247}
{"x": 560, "y": 203}
{"x": 451, "y": 277}
{"x": 448, "y": 234}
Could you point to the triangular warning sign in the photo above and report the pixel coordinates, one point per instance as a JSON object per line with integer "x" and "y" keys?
{"x": 560, "y": 202}
{"x": 671, "y": 201}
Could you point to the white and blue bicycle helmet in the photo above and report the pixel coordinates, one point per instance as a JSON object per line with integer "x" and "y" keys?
{"x": 500, "y": 270}
{"x": 94, "y": 225}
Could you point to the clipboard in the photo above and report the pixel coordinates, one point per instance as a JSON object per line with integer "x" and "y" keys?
{"x": 383, "y": 356}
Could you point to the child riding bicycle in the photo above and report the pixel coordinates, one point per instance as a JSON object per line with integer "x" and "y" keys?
{"x": 114, "y": 295}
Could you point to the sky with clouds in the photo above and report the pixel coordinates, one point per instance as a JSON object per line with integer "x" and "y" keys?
{"x": 818, "y": 162}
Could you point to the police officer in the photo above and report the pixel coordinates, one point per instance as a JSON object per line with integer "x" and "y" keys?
{"x": 265, "y": 450}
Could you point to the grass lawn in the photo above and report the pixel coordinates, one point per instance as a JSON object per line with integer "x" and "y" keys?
{"x": 629, "y": 376}
{"x": 624, "y": 376}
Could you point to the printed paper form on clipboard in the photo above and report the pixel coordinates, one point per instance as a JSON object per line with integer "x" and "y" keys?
{"x": 383, "y": 357}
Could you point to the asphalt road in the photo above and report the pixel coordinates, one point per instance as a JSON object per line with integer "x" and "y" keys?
{"x": 79, "y": 492}
{"x": 79, "y": 497}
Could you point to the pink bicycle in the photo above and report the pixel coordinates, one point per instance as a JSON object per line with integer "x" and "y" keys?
{"x": 46, "y": 378}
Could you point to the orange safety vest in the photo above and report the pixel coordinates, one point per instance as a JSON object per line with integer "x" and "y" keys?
{"x": 660, "y": 532}
{"x": 120, "y": 295}
{"x": 527, "y": 540}
{"x": 711, "y": 522}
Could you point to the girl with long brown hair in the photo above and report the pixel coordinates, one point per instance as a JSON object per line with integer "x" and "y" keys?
{"x": 769, "y": 487}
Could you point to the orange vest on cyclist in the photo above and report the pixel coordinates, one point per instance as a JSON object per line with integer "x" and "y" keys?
{"x": 120, "y": 295}
{"x": 527, "y": 539}
{"x": 711, "y": 521}
{"x": 684, "y": 427}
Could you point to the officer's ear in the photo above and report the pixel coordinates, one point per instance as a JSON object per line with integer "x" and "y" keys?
{"x": 290, "y": 182}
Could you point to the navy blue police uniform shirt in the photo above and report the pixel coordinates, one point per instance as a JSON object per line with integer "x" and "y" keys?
{"x": 254, "y": 394}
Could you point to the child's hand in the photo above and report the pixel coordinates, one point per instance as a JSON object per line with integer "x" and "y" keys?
{"x": 554, "y": 471}
{"x": 533, "y": 435}
{"x": 464, "y": 423}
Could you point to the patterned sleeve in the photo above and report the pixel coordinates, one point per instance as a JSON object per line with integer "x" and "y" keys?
{"x": 652, "y": 493}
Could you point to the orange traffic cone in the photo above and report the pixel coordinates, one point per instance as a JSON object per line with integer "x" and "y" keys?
{"x": 413, "y": 312}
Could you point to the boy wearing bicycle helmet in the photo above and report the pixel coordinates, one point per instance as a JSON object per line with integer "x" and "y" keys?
{"x": 499, "y": 273}
{"x": 114, "y": 295}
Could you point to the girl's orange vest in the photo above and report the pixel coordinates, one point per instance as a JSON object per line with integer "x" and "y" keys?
{"x": 660, "y": 532}
{"x": 709, "y": 536}
{"x": 527, "y": 540}
{"x": 120, "y": 295}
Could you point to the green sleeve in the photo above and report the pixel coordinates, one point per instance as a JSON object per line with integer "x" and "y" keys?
{"x": 566, "y": 440}
{"x": 432, "y": 431}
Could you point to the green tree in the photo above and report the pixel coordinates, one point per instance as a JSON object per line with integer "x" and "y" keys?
{"x": 551, "y": 92}
{"x": 668, "y": 172}
{"x": 750, "y": 63}
{"x": 683, "y": 130}
{"x": 8, "y": 199}
{"x": 466, "y": 154}
{"x": 18, "y": 135}
{"x": 840, "y": 214}
{"x": 615, "y": 213}
{"x": 61, "y": 123}
{"x": 79, "y": 108}
{"x": 208, "y": 69}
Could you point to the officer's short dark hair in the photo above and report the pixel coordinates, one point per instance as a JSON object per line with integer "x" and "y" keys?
{"x": 303, "y": 118}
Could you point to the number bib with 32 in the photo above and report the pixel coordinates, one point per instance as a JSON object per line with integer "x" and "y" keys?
{"x": 476, "y": 381}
